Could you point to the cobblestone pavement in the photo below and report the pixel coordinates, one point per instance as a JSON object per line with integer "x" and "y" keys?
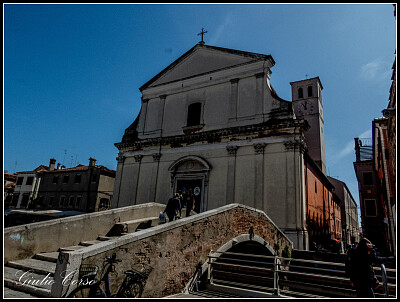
{"x": 11, "y": 293}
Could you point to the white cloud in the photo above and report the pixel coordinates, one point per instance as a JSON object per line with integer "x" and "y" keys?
{"x": 221, "y": 28}
{"x": 349, "y": 147}
{"x": 375, "y": 70}
{"x": 366, "y": 134}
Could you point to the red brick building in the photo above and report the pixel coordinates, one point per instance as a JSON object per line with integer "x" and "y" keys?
{"x": 323, "y": 210}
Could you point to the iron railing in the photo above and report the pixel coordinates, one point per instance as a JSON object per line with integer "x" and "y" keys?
{"x": 282, "y": 276}
{"x": 384, "y": 281}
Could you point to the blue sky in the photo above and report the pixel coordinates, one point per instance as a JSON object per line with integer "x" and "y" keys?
{"x": 72, "y": 72}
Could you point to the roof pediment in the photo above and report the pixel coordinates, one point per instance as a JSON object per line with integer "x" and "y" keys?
{"x": 203, "y": 59}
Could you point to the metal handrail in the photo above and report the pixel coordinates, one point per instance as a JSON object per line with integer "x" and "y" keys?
{"x": 276, "y": 267}
{"x": 384, "y": 280}
{"x": 194, "y": 283}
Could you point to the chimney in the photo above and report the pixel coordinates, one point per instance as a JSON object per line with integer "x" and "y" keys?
{"x": 58, "y": 166}
{"x": 92, "y": 162}
{"x": 52, "y": 164}
{"x": 357, "y": 148}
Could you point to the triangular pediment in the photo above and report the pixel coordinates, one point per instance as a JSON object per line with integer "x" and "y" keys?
{"x": 203, "y": 59}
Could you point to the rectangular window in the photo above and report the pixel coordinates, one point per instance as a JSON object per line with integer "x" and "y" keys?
{"x": 19, "y": 181}
{"x": 62, "y": 202}
{"x": 309, "y": 89}
{"x": 25, "y": 199}
{"x": 39, "y": 201}
{"x": 29, "y": 181}
{"x": 370, "y": 207}
{"x": 65, "y": 179}
{"x": 368, "y": 181}
{"x": 300, "y": 93}
{"x": 55, "y": 179}
{"x": 78, "y": 178}
{"x": 14, "y": 201}
{"x": 78, "y": 201}
{"x": 194, "y": 114}
{"x": 71, "y": 202}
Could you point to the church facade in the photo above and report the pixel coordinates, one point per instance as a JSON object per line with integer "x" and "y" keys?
{"x": 212, "y": 122}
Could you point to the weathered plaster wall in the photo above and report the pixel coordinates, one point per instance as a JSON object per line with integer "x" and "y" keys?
{"x": 27, "y": 240}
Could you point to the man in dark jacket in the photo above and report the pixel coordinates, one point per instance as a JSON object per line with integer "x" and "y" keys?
{"x": 173, "y": 206}
{"x": 361, "y": 271}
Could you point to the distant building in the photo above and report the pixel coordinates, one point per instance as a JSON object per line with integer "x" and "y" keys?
{"x": 81, "y": 188}
{"x": 349, "y": 212}
{"x": 323, "y": 210}
{"x": 9, "y": 186}
{"x": 375, "y": 167}
{"x": 26, "y": 187}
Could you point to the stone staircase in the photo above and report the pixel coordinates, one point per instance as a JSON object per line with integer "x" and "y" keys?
{"x": 34, "y": 276}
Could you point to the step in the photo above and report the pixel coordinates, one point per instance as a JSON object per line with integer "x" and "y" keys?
{"x": 89, "y": 243}
{"x": 135, "y": 225}
{"x": 25, "y": 289}
{"x": 20, "y": 279}
{"x": 51, "y": 257}
{"x": 71, "y": 248}
{"x": 15, "y": 294}
{"x": 35, "y": 265}
{"x": 105, "y": 238}
{"x": 226, "y": 291}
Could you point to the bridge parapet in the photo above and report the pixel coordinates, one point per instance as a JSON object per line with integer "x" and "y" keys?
{"x": 24, "y": 241}
{"x": 174, "y": 249}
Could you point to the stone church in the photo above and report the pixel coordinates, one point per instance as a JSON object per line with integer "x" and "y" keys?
{"x": 211, "y": 121}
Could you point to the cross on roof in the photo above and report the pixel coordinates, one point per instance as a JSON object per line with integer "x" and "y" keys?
{"x": 202, "y": 33}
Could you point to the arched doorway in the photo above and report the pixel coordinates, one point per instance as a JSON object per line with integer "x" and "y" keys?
{"x": 191, "y": 172}
{"x": 245, "y": 262}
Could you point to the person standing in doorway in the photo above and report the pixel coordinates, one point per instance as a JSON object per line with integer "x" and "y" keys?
{"x": 189, "y": 202}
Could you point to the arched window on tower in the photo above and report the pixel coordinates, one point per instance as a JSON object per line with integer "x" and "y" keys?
{"x": 300, "y": 91}
{"x": 194, "y": 114}
{"x": 309, "y": 88}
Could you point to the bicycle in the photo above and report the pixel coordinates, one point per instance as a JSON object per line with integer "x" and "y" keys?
{"x": 131, "y": 287}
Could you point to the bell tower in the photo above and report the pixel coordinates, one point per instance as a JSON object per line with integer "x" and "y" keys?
{"x": 307, "y": 102}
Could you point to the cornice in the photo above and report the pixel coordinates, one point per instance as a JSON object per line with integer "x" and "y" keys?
{"x": 215, "y": 135}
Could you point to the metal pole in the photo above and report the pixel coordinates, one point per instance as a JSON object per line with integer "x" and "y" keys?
{"x": 276, "y": 276}
{"x": 209, "y": 279}
{"x": 384, "y": 280}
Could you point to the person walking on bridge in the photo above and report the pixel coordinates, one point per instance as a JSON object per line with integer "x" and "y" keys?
{"x": 173, "y": 207}
{"x": 360, "y": 268}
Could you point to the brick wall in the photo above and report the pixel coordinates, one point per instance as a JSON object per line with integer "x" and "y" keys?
{"x": 174, "y": 252}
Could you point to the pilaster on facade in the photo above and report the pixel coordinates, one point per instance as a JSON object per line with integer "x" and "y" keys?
{"x": 138, "y": 158}
{"x": 120, "y": 159}
{"x": 232, "y": 150}
{"x": 259, "y": 148}
{"x": 156, "y": 156}
{"x": 234, "y": 98}
{"x": 143, "y": 116}
{"x": 231, "y": 172}
{"x": 295, "y": 145}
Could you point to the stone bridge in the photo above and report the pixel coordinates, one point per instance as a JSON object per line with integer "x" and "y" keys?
{"x": 173, "y": 249}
